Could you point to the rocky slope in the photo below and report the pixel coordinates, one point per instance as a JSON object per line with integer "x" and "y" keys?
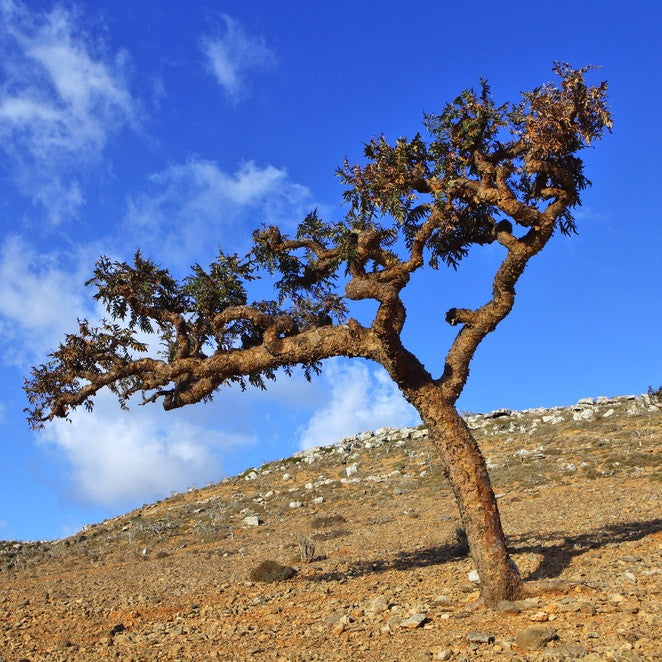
{"x": 371, "y": 530}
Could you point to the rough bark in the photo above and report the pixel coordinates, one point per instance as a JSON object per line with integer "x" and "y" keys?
{"x": 467, "y": 473}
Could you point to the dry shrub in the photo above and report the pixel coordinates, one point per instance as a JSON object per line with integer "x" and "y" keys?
{"x": 271, "y": 571}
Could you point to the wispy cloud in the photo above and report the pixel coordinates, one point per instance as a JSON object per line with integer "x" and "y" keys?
{"x": 40, "y": 299}
{"x": 192, "y": 206}
{"x": 232, "y": 55}
{"x": 361, "y": 398}
{"x": 62, "y": 97}
{"x": 116, "y": 458}
{"x": 119, "y": 458}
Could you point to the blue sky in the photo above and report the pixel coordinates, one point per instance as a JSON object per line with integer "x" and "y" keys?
{"x": 176, "y": 127}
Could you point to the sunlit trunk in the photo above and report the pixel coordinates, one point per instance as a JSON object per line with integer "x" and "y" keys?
{"x": 466, "y": 470}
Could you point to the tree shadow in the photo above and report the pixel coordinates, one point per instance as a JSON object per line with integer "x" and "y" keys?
{"x": 556, "y": 556}
{"x": 420, "y": 558}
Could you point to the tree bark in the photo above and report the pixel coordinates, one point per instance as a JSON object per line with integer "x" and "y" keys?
{"x": 466, "y": 470}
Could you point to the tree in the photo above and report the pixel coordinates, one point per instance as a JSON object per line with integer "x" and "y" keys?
{"x": 485, "y": 173}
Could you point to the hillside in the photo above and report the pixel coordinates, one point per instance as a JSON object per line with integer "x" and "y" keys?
{"x": 388, "y": 578}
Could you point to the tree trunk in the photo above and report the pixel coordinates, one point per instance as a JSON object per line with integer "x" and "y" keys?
{"x": 466, "y": 470}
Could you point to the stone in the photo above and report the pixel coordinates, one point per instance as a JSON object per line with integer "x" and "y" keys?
{"x": 338, "y": 628}
{"x": 295, "y": 504}
{"x": 534, "y": 638}
{"x": 414, "y": 621}
{"x": 251, "y": 520}
{"x": 441, "y": 653}
{"x": 352, "y": 469}
{"x": 377, "y": 605}
{"x": 475, "y": 637}
{"x": 498, "y": 413}
{"x": 539, "y": 617}
{"x": 474, "y": 577}
{"x": 507, "y": 607}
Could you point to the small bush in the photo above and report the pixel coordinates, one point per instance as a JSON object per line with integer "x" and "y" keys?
{"x": 271, "y": 571}
{"x": 655, "y": 393}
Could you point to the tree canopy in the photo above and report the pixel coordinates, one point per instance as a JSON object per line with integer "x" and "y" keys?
{"x": 480, "y": 173}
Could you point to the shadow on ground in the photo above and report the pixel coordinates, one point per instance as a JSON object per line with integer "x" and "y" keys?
{"x": 557, "y": 551}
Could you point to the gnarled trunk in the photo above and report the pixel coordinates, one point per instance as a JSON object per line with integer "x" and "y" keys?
{"x": 466, "y": 470}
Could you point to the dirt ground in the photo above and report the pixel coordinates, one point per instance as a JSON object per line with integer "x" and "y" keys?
{"x": 370, "y": 528}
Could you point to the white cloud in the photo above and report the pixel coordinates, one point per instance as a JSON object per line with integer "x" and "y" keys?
{"x": 40, "y": 299}
{"x": 361, "y": 398}
{"x": 195, "y": 205}
{"x": 230, "y": 57}
{"x": 62, "y": 98}
{"x": 119, "y": 458}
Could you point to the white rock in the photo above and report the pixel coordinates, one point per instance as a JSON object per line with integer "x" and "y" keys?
{"x": 295, "y": 504}
{"x": 474, "y": 577}
{"x": 318, "y": 500}
{"x": 251, "y": 520}
{"x": 250, "y": 476}
{"x": 352, "y": 469}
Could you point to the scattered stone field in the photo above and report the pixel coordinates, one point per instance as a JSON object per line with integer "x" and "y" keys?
{"x": 365, "y": 558}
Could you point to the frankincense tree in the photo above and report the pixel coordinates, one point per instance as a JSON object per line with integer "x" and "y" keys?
{"x": 483, "y": 173}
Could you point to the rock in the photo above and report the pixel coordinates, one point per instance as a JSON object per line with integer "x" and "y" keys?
{"x": 352, "y": 469}
{"x": 508, "y": 607}
{"x": 475, "y": 637}
{"x": 338, "y": 627}
{"x": 414, "y": 621}
{"x": 539, "y": 617}
{"x": 251, "y": 520}
{"x": 497, "y": 413}
{"x": 474, "y": 577}
{"x": 295, "y": 504}
{"x": 439, "y": 653}
{"x": 534, "y": 638}
{"x": 377, "y": 605}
